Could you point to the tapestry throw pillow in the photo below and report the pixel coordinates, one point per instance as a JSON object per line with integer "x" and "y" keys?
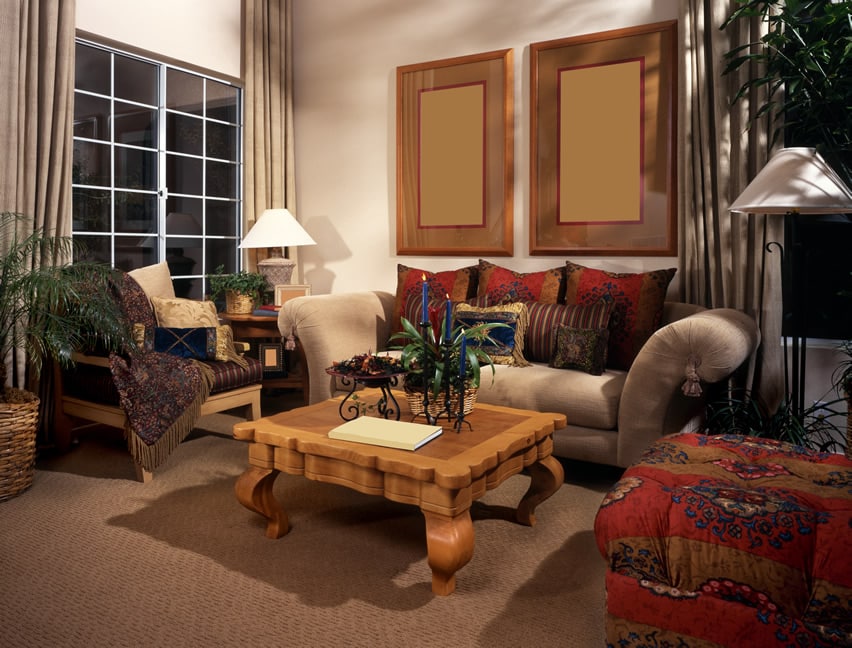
{"x": 185, "y": 313}
{"x": 458, "y": 284}
{"x": 508, "y": 343}
{"x": 637, "y": 300}
{"x": 584, "y": 349}
{"x": 194, "y": 343}
{"x": 500, "y": 284}
{"x": 544, "y": 318}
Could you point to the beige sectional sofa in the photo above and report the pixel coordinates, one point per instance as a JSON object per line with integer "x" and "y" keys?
{"x": 611, "y": 417}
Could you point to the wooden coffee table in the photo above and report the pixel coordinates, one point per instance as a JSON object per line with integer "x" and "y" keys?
{"x": 443, "y": 477}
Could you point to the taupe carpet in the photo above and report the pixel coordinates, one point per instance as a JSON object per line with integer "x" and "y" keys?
{"x": 89, "y": 557}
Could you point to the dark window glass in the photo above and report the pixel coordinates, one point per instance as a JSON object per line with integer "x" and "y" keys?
{"x": 135, "y": 251}
{"x": 135, "y": 80}
{"x": 222, "y": 179}
{"x": 90, "y": 209}
{"x": 92, "y": 69}
{"x": 183, "y": 175}
{"x": 91, "y": 116}
{"x": 178, "y": 210}
{"x": 185, "y": 92}
{"x": 135, "y": 169}
{"x": 222, "y": 102}
{"x": 91, "y": 164}
{"x": 135, "y": 125}
{"x": 184, "y": 134}
{"x": 222, "y": 142}
{"x": 221, "y": 218}
{"x": 92, "y": 248}
{"x": 135, "y": 212}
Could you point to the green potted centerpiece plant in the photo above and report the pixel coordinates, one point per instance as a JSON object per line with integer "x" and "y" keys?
{"x": 242, "y": 289}
{"x": 49, "y": 309}
{"x": 437, "y": 361}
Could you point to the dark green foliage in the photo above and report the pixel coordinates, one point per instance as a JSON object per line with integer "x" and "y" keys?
{"x": 804, "y": 61}
{"x": 243, "y": 282}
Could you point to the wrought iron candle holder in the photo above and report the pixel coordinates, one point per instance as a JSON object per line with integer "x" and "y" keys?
{"x": 453, "y": 414}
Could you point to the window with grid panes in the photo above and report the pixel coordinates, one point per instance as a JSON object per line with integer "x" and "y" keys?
{"x": 157, "y": 166}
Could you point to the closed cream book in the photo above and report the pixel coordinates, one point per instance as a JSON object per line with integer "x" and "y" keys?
{"x": 384, "y": 432}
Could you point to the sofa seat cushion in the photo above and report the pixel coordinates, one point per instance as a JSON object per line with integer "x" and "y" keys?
{"x": 586, "y": 400}
{"x": 230, "y": 375}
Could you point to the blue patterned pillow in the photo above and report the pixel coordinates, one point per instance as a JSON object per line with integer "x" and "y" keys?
{"x": 195, "y": 343}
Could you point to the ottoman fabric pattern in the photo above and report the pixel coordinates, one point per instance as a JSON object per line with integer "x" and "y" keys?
{"x": 729, "y": 540}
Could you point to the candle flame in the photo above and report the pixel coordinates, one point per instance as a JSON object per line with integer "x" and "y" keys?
{"x": 423, "y": 276}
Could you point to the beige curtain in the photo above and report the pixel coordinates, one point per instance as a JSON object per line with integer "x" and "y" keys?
{"x": 722, "y": 147}
{"x": 270, "y": 180}
{"x": 36, "y": 117}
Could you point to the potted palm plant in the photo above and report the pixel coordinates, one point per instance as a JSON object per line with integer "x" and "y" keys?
{"x": 242, "y": 289}
{"x": 49, "y": 309}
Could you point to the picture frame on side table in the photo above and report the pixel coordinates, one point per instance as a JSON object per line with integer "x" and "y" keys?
{"x": 603, "y": 126}
{"x": 455, "y": 156}
{"x": 271, "y": 356}
{"x": 285, "y": 292}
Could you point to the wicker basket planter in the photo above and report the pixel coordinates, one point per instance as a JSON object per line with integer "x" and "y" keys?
{"x": 18, "y": 426}
{"x": 414, "y": 397}
{"x": 238, "y": 303}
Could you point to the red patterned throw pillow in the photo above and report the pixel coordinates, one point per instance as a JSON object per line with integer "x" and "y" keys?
{"x": 458, "y": 284}
{"x": 637, "y": 300}
{"x": 502, "y": 285}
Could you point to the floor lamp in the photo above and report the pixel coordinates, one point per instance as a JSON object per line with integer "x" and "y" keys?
{"x": 276, "y": 229}
{"x": 796, "y": 182}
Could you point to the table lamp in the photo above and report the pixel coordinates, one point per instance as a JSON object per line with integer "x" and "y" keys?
{"x": 276, "y": 229}
{"x": 795, "y": 181}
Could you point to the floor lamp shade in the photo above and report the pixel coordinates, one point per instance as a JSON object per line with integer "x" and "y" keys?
{"x": 276, "y": 229}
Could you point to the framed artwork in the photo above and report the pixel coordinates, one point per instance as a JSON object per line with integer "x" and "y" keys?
{"x": 285, "y": 292}
{"x": 455, "y": 156}
{"x": 602, "y": 143}
{"x": 270, "y": 356}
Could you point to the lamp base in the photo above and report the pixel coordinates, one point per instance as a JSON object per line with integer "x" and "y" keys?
{"x": 276, "y": 270}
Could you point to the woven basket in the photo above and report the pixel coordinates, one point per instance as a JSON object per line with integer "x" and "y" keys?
{"x": 238, "y": 303}
{"x": 18, "y": 425}
{"x": 415, "y": 400}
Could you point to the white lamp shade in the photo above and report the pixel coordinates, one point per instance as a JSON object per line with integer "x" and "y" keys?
{"x": 795, "y": 180}
{"x": 276, "y": 228}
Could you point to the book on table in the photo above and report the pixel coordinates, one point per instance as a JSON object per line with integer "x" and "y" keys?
{"x": 386, "y": 432}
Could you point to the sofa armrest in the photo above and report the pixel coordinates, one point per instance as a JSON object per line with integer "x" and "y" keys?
{"x": 708, "y": 346}
{"x": 336, "y": 327}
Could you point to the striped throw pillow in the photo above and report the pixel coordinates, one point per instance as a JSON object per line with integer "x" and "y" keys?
{"x": 545, "y": 318}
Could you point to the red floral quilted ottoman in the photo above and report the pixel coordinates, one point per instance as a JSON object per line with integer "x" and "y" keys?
{"x": 729, "y": 541}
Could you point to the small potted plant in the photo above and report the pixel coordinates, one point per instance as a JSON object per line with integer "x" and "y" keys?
{"x": 841, "y": 380}
{"x": 433, "y": 361}
{"x": 242, "y": 289}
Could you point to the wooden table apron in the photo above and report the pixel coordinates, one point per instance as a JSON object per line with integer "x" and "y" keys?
{"x": 443, "y": 477}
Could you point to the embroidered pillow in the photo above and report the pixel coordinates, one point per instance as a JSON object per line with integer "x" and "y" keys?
{"x": 584, "y": 349}
{"x": 545, "y": 318}
{"x": 508, "y": 345}
{"x": 637, "y": 300}
{"x": 194, "y": 343}
{"x": 185, "y": 313}
{"x": 458, "y": 284}
{"x": 500, "y": 284}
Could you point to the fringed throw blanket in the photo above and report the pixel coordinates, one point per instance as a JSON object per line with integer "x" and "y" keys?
{"x": 162, "y": 397}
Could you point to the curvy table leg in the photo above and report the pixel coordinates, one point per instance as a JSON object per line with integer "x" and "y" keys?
{"x": 547, "y": 476}
{"x": 254, "y": 491}
{"x": 449, "y": 544}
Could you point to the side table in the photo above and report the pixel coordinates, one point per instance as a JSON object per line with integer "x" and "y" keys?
{"x": 265, "y": 327}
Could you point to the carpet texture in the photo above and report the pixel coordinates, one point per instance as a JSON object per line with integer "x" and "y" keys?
{"x": 89, "y": 557}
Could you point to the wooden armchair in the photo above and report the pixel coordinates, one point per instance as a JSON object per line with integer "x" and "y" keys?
{"x": 88, "y": 392}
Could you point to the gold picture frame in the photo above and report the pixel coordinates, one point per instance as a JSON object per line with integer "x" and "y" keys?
{"x": 455, "y": 156}
{"x": 286, "y": 292}
{"x": 603, "y": 125}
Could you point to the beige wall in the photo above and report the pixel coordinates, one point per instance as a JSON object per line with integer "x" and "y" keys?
{"x": 205, "y": 33}
{"x": 347, "y": 52}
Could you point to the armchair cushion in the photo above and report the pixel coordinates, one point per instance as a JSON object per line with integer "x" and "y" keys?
{"x": 155, "y": 280}
{"x": 184, "y": 313}
{"x": 198, "y": 343}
